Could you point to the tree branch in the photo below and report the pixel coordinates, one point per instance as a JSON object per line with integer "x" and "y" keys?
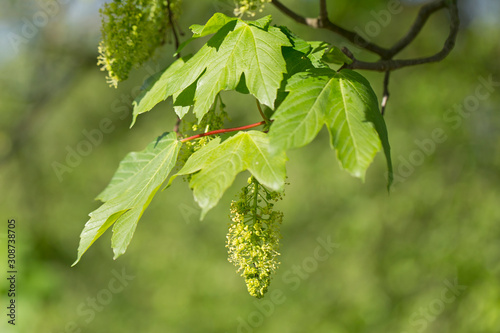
{"x": 390, "y": 65}
{"x": 325, "y": 23}
{"x": 267, "y": 120}
{"x": 385, "y": 96}
{"x": 423, "y": 15}
{"x": 172, "y": 24}
{"x": 386, "y": 64}
{"x": 323, "y": 11}
{"x": 290, "y": 13}
{"x": 178, "y": 54}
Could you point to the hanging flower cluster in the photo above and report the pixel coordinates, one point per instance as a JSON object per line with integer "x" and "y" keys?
{"x": 131, "y": 32}
{"x": 253, "y": 237}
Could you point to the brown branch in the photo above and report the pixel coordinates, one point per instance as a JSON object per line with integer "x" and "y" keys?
{"x": 354, "y": 38}
{"x": 172, "y": 25}
{"x": 323, "y": 10}
{"x": 423, "y": 15}
{"x": 290, "y": 13}
{"x": 386, "y": 54}
{"x": 390, "y": 65}
{"x": 325, "y": 23}
{"x": 262, "y": 113}
{"x": 386, "y": 63}
{"x": 225, "y": 130}
{"x": 178, "y": 55}
{"x": 385, "y": 96}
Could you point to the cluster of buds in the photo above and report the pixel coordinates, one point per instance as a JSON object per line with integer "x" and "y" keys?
{"x": 254, "y": 234}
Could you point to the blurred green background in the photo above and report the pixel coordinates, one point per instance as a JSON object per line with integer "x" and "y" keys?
{"x": 423, "y": 259}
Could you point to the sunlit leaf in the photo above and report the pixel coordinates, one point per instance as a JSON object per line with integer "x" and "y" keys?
{"x": 216, "y": 165}
{"x": 129, "y": 193}
{"x": 238, "y": 47}
{"x": 345, "y": 103}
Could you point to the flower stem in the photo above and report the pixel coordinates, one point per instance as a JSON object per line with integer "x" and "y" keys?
{"x": 261, "y": 112}
{"x": 224, "y": 130}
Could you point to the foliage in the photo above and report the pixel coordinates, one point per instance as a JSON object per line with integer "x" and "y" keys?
{"x": 138, "y": 178}
{"x": 217, "y": 164}
{"x": 300, "y": 93}
{"x": 345, "y": 103}
{"x": 237, "y": 47}
{"x": 394, "y": 252}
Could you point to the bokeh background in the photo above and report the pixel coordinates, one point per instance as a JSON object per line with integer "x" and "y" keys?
{"x": 423, "y": 259}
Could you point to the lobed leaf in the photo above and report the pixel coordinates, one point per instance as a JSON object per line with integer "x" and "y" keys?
{"x": 129, "y": 193}
{"x": 346, "y": 104}
{"x": 252, "y": 50}
{"x": 216, "y": 165}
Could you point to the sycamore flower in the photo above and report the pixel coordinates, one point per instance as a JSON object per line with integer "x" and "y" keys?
{"x": 253, "y": 237}
{"x": 131, "y": 32}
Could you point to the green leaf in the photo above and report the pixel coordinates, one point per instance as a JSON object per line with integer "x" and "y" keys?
{"x": 214, "y": 24}
{"x": 316, "y": 54}
{"x": 303, "y": 55}
{"x": 217, "y": 164}
{"x": 239, "y": 47}
{"x": 129, "y": 193}
{"x": 155, "y": 89}
{"x": 346, "y": 104}
{"x": 336, "y": 56}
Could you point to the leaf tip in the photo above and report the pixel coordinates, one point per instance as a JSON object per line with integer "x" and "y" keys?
{"x": 134, "y": 118}
{"x": 390, "y": 180}
{"x": 117, "y": 253}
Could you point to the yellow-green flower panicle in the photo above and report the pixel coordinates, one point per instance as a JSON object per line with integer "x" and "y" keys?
{"x": 131, "y": 32}
{"x": 253, "y": 237}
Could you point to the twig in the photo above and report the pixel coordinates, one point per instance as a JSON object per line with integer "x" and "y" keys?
{"x": 386, "y": 94}
{"x": 261, "y": 112}
{"x": 324, "y": 22}
{"x": 225, "y": 130}
{"x": 386, "y": 63}
{"x": 177, "y": 125}
{"x": 390, "y": 65}
{"x": 172, "y": 25}
{"x": 178, "y": 54}
{"x": 323, "y": 11}
{"x": 423, "y": 15}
